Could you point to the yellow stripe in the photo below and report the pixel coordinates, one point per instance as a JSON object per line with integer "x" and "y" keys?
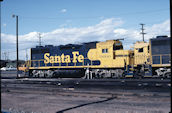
{"x": 129, "y": 76}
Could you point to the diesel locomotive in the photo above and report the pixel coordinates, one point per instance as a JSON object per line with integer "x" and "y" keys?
{"x": 102, "y": 60}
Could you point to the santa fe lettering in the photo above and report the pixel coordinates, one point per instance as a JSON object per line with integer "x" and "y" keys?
{"x": 63, "y": 58}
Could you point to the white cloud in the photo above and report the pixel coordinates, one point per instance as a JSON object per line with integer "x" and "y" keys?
{"x": 83, "y": 34}
{"x": 7, "y": 38}
{"x": 63, "y": 10}
{"x": 120, "y": 31}
{"x": 107, "y": 29}
{"x": 159, "y": 29}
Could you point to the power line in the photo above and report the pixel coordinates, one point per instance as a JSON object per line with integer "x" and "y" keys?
{"x": 13, "y": 51}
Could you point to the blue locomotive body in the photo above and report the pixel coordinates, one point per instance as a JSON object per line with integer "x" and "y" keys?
{"x": 63, "y": 55}
{"x": 161, "y": 50}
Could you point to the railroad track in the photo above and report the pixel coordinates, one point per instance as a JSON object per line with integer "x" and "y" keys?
{"x": 48, "y": 90}
{"x": 94, "y": 82}
{"x": 78, "y": 89}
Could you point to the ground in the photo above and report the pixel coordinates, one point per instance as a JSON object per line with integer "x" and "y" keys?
{"x": 22, "y": 96}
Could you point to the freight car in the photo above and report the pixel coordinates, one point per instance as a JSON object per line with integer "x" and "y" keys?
{"x": 102, "y": 60}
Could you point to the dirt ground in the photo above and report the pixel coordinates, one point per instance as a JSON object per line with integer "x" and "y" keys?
{"x": 42, "y": 98}
{"x": 22, "y": 101}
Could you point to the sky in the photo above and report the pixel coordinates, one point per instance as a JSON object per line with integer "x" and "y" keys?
{"x": 76, "y": 21}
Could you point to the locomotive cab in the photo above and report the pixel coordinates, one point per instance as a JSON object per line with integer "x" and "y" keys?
{"x": 142, "y": 59}
{"x": 141, "y": 53}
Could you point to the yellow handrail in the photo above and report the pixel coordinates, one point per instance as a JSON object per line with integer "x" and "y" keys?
{"x": 32, "y": 62}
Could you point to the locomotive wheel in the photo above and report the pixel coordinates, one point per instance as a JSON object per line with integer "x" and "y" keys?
{"x": 167, "y": 75}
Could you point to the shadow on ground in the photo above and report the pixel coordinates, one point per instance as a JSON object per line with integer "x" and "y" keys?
{"x": 108, "y": 99}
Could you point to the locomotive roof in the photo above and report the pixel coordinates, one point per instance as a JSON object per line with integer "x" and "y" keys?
{"x": 68, "y": 45}
{"x": 163, "y": 37}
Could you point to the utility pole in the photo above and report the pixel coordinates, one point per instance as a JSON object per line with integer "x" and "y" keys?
{"x": 17, "y": 63}
{"x": 26, "y": 55}
{"x": 39, "y": 36}
{"x": 5, "y": 56}
{"x": 170, "y": 14}
{"x": 8, "y": 53}
{"x": 142, "y": 31}
{"x": 0, "y": 33}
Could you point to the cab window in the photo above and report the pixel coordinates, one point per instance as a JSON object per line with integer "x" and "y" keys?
{"x": 140, "y": 50}
{"x": 117, "y": 47}
{"x": 104, "y": 50}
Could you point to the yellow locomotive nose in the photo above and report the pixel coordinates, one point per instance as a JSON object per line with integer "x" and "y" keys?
{"x": 111, "y": 54}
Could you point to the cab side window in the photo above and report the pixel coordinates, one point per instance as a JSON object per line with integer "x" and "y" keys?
{"x": 104, "y": 50}
{"x": 140, "y": 50}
